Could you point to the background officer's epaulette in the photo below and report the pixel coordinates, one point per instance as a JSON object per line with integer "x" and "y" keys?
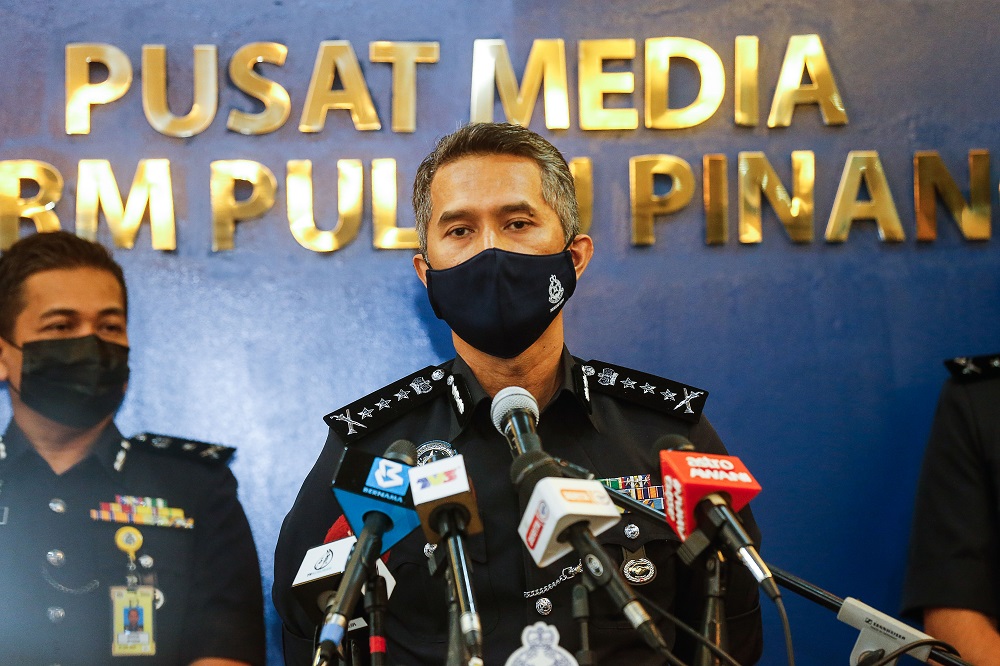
{"x": 387, "y": 404}
{"x": 183, "y": 448}
{"x": 974, "y": 368}
{"x": 664, "y": 395}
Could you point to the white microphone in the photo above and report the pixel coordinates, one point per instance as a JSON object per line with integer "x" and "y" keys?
{"x": 555, "y": 505}
{"x": 319, "y": 575}
{"x": 562, "y": 515}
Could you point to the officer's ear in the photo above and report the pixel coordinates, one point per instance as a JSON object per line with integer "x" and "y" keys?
{"x": 421, "y": 266}
{"x": 7, "y": 353}
{"x": 581, "y": 248}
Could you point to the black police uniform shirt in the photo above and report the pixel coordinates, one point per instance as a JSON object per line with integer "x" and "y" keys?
{"x": 954, "y": 558}
{"x": 609, "y": 435}
{"x": 57, "y": 564}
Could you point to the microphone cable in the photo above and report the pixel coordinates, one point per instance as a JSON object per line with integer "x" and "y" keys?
{"x": 883, "y": 659}
{"x": 687, "y": 629}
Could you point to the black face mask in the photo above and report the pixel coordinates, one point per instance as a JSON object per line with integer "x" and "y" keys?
{"x": 74, "y": 381}
{"x": 501, "y": 302}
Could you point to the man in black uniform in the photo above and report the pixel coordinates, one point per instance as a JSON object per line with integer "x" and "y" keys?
{"x": 500, "y": 254}
{"x": 97, "y": 529}
{"x": 953, "y": 579}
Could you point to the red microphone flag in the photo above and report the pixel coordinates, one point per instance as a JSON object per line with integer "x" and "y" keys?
{"x": 688, "y": 476}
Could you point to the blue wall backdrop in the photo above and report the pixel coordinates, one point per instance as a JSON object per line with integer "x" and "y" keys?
{"x": 823, "y": 360}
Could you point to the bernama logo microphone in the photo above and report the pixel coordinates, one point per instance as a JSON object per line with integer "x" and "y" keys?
{"x": 387, "y": 480}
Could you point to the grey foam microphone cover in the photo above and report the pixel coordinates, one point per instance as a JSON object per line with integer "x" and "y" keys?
{"x": 509, "y": 399}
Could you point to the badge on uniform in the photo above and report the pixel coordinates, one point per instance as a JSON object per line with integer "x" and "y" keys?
{"x": 132, "y": 605}
{"x": 132, "y": 621}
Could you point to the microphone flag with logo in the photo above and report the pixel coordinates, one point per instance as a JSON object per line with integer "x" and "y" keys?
{"x": 690, "y": 476}
{"x": 365, "y": 482}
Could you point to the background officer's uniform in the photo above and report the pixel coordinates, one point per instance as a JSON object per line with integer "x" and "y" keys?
{"x": 58, "y": 563}
{"x": 954, "y": 559}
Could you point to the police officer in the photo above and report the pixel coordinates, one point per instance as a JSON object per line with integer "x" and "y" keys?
{"x": 111, "y": 549}
{"x": 953, "y": 579}
{"x": 500, "y": 255}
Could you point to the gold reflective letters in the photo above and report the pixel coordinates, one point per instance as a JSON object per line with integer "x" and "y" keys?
{"x": 583, "y": 181}
{"x": 154, "y": 91}
{"x": 864, "y": 164}
{"x": 404, "y": 57}
{"x": 81, "y": 94}
{"x": 491, "y": 67}
{"x": 795, "y": 213}
{"x": 715, "y": 185}
{"x": 659, "y": 51}
{"x": 226, "y": 210}
{"x": 301, "y": 219}
{"x": 97, "y": 189}
{"x": 277, "y": 103}
{"x": 745, "y": 81}
{"x": 645, "y": 204}
{"x": 931, "y": 177}
{"x": 805, "y": 52}
{"x": 595, "y": 83}
{"x": 338, "y": 57}
{"x": 388, "y": 236}
{"x": 38, "y": 209}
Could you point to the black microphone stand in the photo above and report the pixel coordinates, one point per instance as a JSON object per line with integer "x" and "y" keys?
{"x": 581, "y": 613}
{"x": 832, "y": 602}
{"x": 713, "y": 626}
{"x": 465, "y": 634}
{"x": 376, "y": 603}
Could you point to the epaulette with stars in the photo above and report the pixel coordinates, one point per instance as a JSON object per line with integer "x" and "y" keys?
{"x": 974, "y": 368}
{"x": 664, "y": 395}
{"x": 181, "y": 448}
{"x": 364, "y": 416}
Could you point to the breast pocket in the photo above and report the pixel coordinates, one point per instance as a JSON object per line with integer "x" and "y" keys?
{"x": 418, "y": 605}
{"x": 644, "y": 551}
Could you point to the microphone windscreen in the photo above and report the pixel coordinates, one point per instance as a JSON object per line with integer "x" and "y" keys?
{"x": 673, "y": 442}
{"x": 402, "y": 451}
{"x": 509, "y": 399}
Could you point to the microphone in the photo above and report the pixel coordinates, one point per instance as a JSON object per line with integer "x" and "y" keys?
{"x": 444, "y": 499}
{"x": 374, "y": 492}
{"x": 562, "y": 515}
{"x": 515, "y": 414}
{"x": 322, "y": 567}
{"x": 701, "y": 494}
{"x": 446, "y": 504}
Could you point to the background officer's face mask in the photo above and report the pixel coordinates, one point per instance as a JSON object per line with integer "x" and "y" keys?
{"x": 501, "y": 302}
{"x": 74, "y": 381}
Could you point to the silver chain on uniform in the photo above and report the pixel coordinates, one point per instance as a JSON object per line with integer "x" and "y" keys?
{"x": 567, "y": 573}
{"x": 89, "y": 587}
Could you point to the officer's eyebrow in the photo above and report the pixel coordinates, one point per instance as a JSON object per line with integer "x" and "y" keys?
{"x": 506, "y": 209}
{"x": 517, "y": 207}
{"x": 72, "y": 312}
